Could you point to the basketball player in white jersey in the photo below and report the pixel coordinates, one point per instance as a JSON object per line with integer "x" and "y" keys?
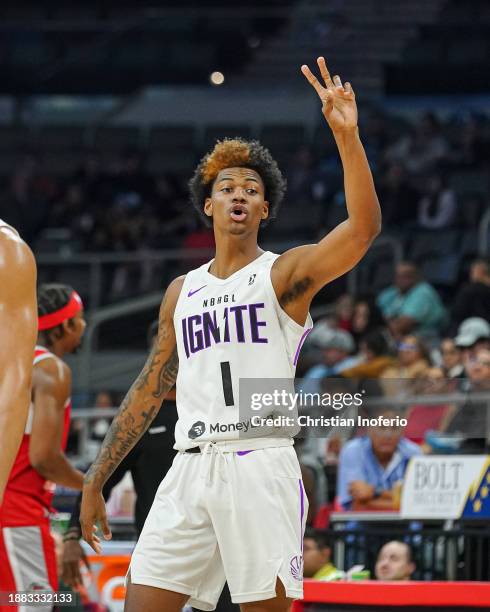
{"x": 232, "y": 508}
{"x": 18, "y": 333}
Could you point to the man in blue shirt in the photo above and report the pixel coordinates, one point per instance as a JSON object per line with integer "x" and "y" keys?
{"x": 411, "y": 305}
{"x": 371, "y": 467}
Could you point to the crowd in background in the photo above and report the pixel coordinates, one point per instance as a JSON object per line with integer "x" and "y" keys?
{"x": 431, "y": 175}
{"x": 408, "y": 338}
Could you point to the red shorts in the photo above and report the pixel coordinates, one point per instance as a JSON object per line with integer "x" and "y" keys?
{"x": 27, "y": 560}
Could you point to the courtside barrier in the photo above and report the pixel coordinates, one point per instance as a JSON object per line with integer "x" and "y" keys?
{"x": 374, "y": 593}
{"x": 363, "y": 593}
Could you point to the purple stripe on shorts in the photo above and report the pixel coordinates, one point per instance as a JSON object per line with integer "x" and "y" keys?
{"x": 302, "y": 509}
{"x": 241, "y": 453}
{"x": 300, "y": 344}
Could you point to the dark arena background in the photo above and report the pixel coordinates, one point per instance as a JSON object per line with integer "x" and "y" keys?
{"x": 105, "y": 110}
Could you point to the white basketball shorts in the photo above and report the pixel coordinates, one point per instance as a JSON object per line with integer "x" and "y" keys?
{"x": 226, "y": 514}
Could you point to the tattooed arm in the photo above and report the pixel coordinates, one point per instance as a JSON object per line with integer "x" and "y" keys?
{"x": 137, "y": 411}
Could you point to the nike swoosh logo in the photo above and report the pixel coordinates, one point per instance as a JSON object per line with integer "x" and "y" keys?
{"x": 191, "y": 293}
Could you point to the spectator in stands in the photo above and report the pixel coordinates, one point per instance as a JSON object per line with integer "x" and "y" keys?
{"x": 376, "y": 359}
{"x": 371, "y": 467}
{"x": 97, "y": 427}
{"x": 452, "y": 359}
{"x": 103, "y": 400}
{"x": 479, "y": 370}
{"x": 472, "y": 419}
{"x": 412, "y": 364}
{"x": 473, "y": 299}
{"x": 344, "y": 307}
{"x": 366, "y": 318}
{"x": 336, "y": 347}
{"x": 429, "y": 418}
{"x": 317, "y": 554}
{"x": 411, "y": 305}
{"x": 437, "y": 208}
{"x": 394, "y": 562}
{"x": 473, "y": 334}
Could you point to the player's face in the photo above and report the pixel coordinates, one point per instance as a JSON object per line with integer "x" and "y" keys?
{"x": 76, "y": 330}
{"x": 237, "y": 203}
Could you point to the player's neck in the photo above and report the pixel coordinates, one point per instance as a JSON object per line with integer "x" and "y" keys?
{"x": 53, "y": 347}
{"x": 232, "y": 255}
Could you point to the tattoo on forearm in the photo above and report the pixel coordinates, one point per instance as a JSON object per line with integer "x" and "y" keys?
{"x": 129, "y": 425}
{"x": 296, "y": 290}
{"x": 167, "y": 375}
{"x": 123, "y": 434}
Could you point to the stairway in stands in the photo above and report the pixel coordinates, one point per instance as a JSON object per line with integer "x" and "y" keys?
{"x": 357, "y": 37}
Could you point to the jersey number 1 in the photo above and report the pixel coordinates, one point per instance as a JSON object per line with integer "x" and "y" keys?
{"x": 227, "y": 385}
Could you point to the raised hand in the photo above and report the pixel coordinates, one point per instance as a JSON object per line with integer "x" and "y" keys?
{"x": 338, "y": 101}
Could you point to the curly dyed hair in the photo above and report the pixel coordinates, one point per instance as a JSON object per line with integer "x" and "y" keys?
{"x": 237, "y": 153}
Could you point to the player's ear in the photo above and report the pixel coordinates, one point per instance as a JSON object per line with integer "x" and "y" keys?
{"x": 265, "y": 210}
{"x": 66, "y": 328}
{"x": 68, "y": 325}
{"x": 208, "y": 207}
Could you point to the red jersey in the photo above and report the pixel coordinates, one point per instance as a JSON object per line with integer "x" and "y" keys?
{"x": 28, "y": 495}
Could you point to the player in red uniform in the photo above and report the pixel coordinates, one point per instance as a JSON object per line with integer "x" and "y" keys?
{"x": 27, "y": 554}
{"x": 18, "y": 331}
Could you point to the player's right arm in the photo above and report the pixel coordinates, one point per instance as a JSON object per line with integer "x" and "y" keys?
{"x": 51, "y": 388}
{"x": 138, "y": 409}
{"x": 18, "y": 333}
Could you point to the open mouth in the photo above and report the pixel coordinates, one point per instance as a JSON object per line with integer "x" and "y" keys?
{"x": 238, "y": 214}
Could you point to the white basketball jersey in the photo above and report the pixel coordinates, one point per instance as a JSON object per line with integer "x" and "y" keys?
{"x": 227, "y": 330}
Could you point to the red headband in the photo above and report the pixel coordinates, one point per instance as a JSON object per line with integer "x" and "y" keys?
{"x": 58, "y": 316}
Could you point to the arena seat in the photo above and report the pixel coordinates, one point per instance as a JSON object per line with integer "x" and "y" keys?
{"x": 433, "y": 243}
{"x": 441, "y": 270}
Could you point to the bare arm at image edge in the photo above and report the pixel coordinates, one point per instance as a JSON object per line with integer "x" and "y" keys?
{"x": 18, "y": 333}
